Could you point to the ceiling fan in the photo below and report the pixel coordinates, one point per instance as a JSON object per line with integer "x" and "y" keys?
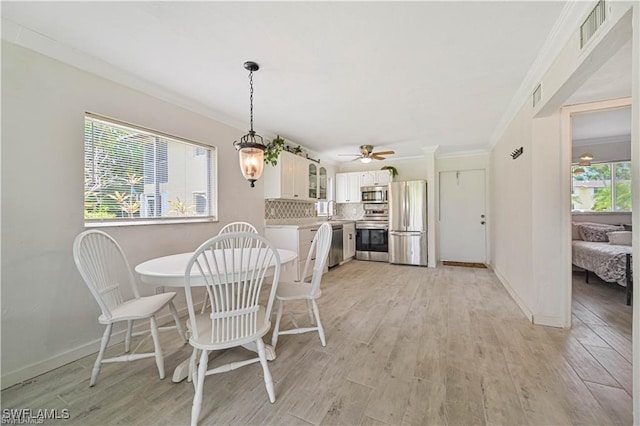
{"x": 367, "y": 154}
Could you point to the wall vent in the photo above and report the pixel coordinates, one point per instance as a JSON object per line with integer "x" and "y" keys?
{"x": 592, "y": 23}
{"x": 537, "y": 95}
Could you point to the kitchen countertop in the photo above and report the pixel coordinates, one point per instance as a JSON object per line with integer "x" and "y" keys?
{"x": 303, "y": 223}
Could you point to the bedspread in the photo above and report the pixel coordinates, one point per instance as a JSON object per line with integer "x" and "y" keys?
{"x": 606, "y": 260}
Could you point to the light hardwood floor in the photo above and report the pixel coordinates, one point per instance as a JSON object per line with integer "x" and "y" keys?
{"x": 405, "y": 345}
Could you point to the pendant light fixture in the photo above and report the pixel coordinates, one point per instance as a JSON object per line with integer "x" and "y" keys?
{"x": 251, "y": 146}
{"x": 585, "y": 159}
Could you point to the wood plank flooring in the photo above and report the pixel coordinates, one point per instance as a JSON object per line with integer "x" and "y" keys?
{"x": 405, "y": 346}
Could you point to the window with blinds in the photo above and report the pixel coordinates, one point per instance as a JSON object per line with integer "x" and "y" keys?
{"x": 133, "y": 174}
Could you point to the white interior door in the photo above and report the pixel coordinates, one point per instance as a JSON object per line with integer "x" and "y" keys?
{"x": 462, "y": 216}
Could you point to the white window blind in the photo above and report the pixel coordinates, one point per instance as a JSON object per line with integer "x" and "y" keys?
{"x": 136, "y": 174}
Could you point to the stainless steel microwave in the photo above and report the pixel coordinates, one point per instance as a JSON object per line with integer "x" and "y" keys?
{"x": 374, "y": 194}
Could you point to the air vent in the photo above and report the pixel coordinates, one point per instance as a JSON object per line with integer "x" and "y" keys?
{"x": 592, "y": 23}
{"x": 537, "y": 95}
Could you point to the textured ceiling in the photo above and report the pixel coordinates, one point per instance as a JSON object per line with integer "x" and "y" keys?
{"x": 334, "y": 75}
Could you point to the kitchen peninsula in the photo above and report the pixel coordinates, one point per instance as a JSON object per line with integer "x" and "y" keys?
{"x": 297, "y": 235}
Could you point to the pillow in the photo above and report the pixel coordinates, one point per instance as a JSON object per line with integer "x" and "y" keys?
{"x": 575, "y": 228}
{"x": 620, "y": 238}
{"x": 597, "y": 233}
{"x": 575, "y": 231}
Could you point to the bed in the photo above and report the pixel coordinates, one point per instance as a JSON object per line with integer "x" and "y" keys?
{"x": 609, "y": 259}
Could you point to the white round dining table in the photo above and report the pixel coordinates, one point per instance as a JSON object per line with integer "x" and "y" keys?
{"x": 169, "y": 271}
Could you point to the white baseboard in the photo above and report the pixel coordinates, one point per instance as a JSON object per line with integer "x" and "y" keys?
{"x": 549, "y": 321}
{"x": 58, "y": 360}
{"x": 523, "y": 306}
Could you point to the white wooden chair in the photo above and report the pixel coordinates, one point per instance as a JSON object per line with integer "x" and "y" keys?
{"x": 308, "y": 291}
{"x": 104, "y": 268}
{"x": 233, "y": 227}
{"x": 233, "y": 268}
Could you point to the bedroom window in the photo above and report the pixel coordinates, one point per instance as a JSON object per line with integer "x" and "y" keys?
{"x": 601, "y": 187}
{"x": 134, "y": 175}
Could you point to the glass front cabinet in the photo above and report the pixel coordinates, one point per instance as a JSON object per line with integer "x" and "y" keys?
{"x": 313, "y": 181}
{"x": 317, "y": 177}
{"x": 322, "y": 183}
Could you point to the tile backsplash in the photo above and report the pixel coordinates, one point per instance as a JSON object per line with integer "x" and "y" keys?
{"x": 283, "y": 209}
{"x": 351, "y": 211}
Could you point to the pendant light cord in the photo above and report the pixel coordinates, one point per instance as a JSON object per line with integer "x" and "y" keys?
{"x": 251, "y": 98}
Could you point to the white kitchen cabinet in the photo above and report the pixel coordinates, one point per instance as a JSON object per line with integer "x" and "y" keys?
{"x": 348, "y": 187}
{"x": 348, "y": 241}
{"x": 297, "y": 240}
{"x": 375, "y": 178}
{"x": 289, "y": 179}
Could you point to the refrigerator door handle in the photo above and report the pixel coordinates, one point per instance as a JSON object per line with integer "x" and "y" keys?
{"x": 406, "y": 206}
{"x": 407, "y": 233}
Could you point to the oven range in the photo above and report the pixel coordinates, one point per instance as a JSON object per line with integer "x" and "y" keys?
{"x": 372, "y": 240}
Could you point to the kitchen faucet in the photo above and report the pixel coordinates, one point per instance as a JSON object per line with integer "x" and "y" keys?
{"x": 329, "y": 215}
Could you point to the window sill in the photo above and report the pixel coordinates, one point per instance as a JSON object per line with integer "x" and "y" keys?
{"x": 169, "y": 221}
{"x": 579, "y": 213}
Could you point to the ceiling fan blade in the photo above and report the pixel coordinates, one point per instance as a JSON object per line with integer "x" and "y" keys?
{"x": 357, "y": 159}
{"x": 383, "y": 153}
{"x": 377, "y": 157}
{"x": 349, "y": 155}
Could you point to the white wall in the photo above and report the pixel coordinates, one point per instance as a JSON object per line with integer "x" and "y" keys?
{"x": 48, "y": 316}
{"x": 531, "y": 241}
{"x": 511, "y": 219}
{"x": 548, "y": 194}
{"x": 635, "y": 191}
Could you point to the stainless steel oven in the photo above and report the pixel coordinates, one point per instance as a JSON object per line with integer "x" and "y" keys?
{"x": 374, "y": 194}
{"x": 372, "y": 240}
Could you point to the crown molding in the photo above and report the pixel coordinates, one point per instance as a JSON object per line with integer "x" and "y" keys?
{"x": 29, "y": 39}
{"x": 468, "y": 153}
{"x": 430, "y": 149}
{"x": 570, "y": 19}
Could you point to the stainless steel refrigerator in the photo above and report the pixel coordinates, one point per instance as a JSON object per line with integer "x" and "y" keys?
{"x": 408, "y": 222}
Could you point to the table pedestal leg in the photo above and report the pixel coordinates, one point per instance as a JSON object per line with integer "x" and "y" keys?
{"x": 181, "y": 372}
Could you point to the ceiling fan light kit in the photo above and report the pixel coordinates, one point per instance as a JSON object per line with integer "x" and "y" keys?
{"x": 367, "y": 154}
{"x": 585, "y": 159}
{"x": 586, "y": 156}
